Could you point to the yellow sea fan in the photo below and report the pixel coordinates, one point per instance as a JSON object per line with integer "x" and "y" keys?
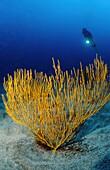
{"x": 53, "y": 107}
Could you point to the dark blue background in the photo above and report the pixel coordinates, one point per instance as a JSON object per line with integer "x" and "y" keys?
{"x": 34, "y": 31}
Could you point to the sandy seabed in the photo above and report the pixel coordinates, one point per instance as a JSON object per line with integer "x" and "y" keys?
{"x": 91, "y": 151}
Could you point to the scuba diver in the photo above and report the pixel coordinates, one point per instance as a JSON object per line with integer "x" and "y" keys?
{"x": 89, "y": 38}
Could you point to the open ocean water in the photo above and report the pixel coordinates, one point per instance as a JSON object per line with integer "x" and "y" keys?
{"x": 34, "y": 31}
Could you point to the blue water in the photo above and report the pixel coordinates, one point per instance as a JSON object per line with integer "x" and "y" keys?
{"x": 34, "y": 31}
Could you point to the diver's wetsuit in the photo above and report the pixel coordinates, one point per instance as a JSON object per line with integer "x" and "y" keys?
{"x": 88, "y": 36}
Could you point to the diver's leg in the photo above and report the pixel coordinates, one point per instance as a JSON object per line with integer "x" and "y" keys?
{"x": 93, "y": 44}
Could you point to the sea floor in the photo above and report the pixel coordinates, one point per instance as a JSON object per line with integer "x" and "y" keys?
{"x": 91, "y": 151}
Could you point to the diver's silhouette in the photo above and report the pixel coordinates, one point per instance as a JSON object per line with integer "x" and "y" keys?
{"x": 88, "y": 36}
